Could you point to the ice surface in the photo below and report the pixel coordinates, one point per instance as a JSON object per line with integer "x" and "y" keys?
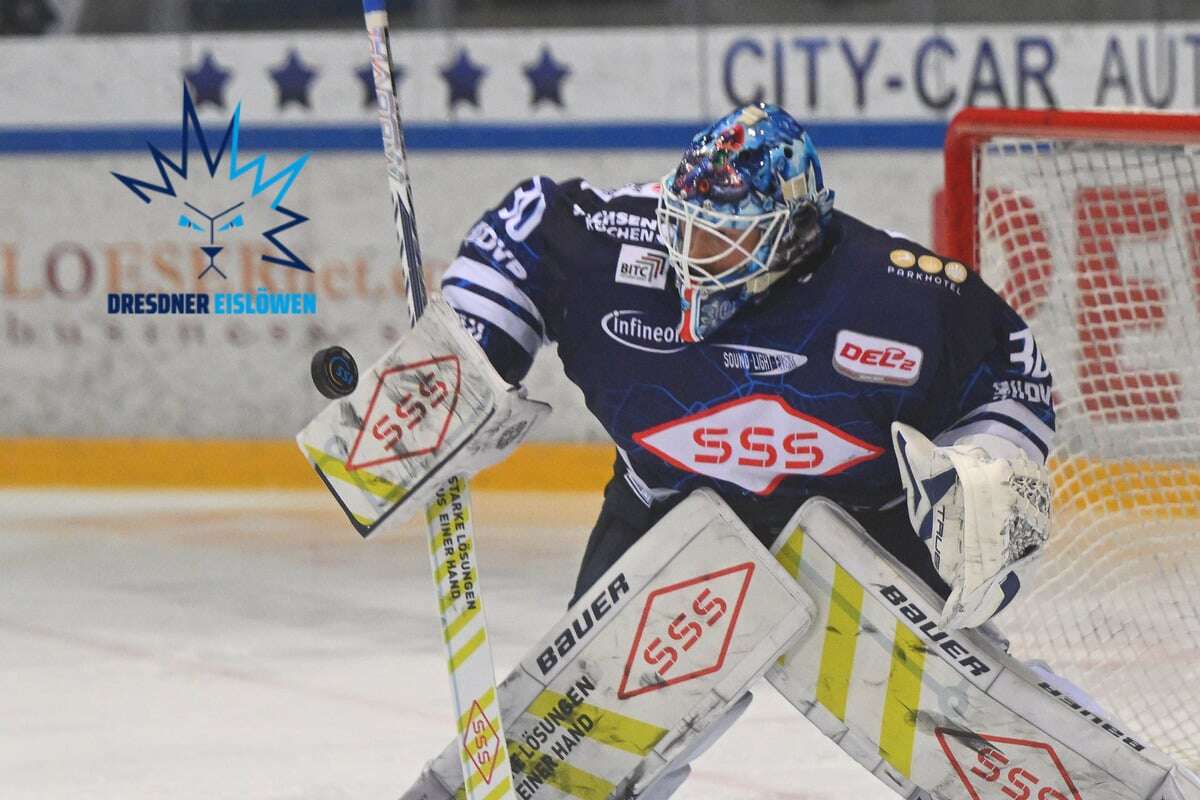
{"x": 251, "y": 645}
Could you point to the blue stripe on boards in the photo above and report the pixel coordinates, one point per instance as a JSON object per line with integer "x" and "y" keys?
{"x": 426, "y": 136}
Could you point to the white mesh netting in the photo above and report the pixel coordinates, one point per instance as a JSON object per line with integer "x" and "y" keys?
{"x": 1097, "y": 245}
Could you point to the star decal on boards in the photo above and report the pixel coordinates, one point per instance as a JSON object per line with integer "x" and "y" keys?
{"x": 208, "y": 81}
{"x": 293, "y": 80}
{"x": 366, "y": 76}
{"x": 463, "y": 77}
{"x": 546, "y": 77}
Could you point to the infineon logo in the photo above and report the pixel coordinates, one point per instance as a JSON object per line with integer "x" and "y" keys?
{"x": 630, "y": 329}
{"x": 876, "y": 360}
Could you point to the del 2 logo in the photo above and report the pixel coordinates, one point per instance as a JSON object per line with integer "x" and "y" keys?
{"x": 873, "y": 359}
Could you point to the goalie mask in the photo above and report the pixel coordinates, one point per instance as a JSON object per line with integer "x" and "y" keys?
{"x": 744, "y": 206}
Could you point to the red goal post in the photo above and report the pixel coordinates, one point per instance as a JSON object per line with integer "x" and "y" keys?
{"x": 1088, "y": 224}
{"x": 972, "y": 128}
{"x": 1099, "y": 210}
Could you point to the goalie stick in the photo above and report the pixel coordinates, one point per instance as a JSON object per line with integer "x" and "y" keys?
{"x": 483, "y": 752}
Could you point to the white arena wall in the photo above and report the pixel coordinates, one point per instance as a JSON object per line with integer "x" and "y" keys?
{"x": 239, "y": 377}
{"x": 76, "y": 110}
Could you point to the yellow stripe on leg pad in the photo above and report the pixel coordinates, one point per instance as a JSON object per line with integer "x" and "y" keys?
{"x": 789, "y": 557}
{"x": 790, "y": 554}
{"x": 577, "y": 783}
{"x": 841, "y": 638}
{"x": 568, "y": 779}
{"x": 608, "y": 727}
{"x": 898, "y": 730}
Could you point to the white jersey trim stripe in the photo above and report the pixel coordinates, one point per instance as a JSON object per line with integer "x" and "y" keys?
{"x": 994, "y": 428}
{"x": 1011, "y": 408}
{"x": 492, "y": 312}
{"x": 480, "y": 274}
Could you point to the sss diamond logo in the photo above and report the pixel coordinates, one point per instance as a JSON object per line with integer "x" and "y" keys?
{"x": 409, "y": 413}
{"x": 755, "y": 442}
{"x": 641, "y": 266}
{"x": 1005, "y": 768}
{"x": 481, "y": 742}
{"x": 685, "y": 630}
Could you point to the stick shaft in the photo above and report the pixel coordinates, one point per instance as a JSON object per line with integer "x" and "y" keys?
{"x": 483, "y": 751}
{"x": 375, "y": 12}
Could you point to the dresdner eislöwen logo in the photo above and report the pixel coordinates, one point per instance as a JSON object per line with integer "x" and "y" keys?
{"x": 229, "y": 195}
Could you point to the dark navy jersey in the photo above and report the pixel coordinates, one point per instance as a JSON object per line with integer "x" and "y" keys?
{"x": 792, "y": 397}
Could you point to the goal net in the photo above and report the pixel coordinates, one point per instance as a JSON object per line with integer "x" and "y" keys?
{"x": 1088, "y": 224}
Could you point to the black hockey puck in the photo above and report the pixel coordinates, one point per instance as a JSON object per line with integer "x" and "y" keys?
{"x": 334, "y": 372}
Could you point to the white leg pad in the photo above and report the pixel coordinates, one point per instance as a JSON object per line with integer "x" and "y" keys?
{"x": 1067, "y": 688}
{"x": 927, "y": 710}
{"x": 628, "y": 685}
{"x": 680, "y": 767}
{"x": 715, "y": 731}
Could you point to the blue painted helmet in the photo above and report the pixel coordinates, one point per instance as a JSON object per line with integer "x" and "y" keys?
{"x": 749, "y": 185}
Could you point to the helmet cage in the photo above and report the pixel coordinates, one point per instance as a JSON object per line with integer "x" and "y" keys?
{"x": 679, "y": 220}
